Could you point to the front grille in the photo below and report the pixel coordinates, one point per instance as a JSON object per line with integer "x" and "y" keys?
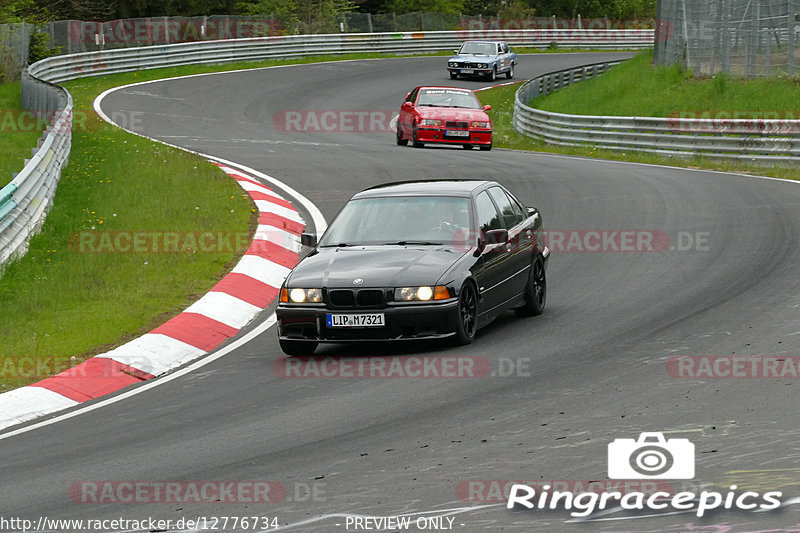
{"x": 351, "y": 298}
{"x": 370, "y": 298}
{"x": 457, "y": 125}
{"x": 341, "y": 298}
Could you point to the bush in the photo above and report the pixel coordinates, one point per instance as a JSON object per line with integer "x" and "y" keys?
{"x": 40, "y": 48}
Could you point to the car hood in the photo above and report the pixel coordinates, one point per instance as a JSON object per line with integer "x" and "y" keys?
{"x": 377, "y": 266}
{"x": 473, "y": 59}
{"x": 453, "y": 113}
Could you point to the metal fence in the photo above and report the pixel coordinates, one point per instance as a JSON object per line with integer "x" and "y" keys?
{"x": 14, "y": 45}
{"x": 74, "y": 36}
{"x": 741, "y": 37}
{"x": 767, "y": 140}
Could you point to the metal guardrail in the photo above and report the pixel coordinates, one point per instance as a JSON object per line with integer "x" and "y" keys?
{"x": 24, "y": 202}
{"x": 767, "y": 140}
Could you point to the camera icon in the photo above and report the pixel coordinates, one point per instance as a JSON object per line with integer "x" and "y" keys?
{"x": 651, "y": 456}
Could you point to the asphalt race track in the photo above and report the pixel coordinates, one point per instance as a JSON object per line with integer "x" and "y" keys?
{"x": 562, "y": 386}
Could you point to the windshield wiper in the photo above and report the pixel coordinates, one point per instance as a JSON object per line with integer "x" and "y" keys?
{"x": 431, "y": 105}
{"x": 338, "y": 245}
{"x": 413, "y": 243}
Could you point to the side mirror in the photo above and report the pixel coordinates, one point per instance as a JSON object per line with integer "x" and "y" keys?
{"x": 487, "y": 107}
{"x": 407, "y": 105}
{"x": 308, "y": 239}
{"x": 497, "y": 236}
{"x": 455, "y": 50}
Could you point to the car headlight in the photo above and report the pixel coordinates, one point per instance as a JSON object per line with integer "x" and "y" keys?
{"x": 453, "y": 64}
{"x": 479, "y": 124}
{"x": 425, "y": 293}
{"x": 430, "y": 122}
{"x": 483, "y": 65}
{"x": 299, "y": 296}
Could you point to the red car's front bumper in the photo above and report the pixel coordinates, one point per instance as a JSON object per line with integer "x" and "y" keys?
{"x": 439, "y": 135}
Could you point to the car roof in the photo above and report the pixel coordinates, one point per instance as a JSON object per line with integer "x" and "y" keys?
{"x": 425, "y": 187}
{"x": 461, "y": 89}
{"x": 481, "y": 41}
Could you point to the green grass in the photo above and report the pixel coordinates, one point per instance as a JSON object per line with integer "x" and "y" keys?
{"x": 638, "y": 100}
{"x": 19, "y": 131}
{"x": 638, "y": 88}
{"x": 59, "y": 301}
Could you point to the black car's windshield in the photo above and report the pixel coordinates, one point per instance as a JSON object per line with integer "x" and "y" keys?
{"x": 474, "y": 48}
{"x": 448, "y": 98}
{"x": 401, "y": 220}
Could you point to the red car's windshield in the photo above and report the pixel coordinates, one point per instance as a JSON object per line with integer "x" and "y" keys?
{"x": 448, "y": 98}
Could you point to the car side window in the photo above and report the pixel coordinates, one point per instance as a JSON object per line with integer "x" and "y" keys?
{"x": 499, "y": 48}
{"x": 412, "y": 95}
{"x": 518, "y": 207}
{"x": 488, "y": 217}
{"x": 511, "y": 216}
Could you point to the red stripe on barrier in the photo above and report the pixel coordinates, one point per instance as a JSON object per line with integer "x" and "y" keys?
{"x": 196, "y": 330}
{"x": 255, "y": 195}
{"x": 93, "y": 378}
{"x": 242, "y": 177}
{"x": 277, "y": 221}
{"x": 273, "y": 252}
{"x": 248, "y": 289}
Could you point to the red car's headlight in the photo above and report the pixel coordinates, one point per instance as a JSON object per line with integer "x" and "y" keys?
{"x": 480, "y": 125}
{"x": 430, "y": 122}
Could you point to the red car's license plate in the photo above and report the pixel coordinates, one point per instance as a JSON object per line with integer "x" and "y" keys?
{"x": 456, "y": 133}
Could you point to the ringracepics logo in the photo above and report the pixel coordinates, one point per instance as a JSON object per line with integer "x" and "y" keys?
{"x": 651, "y": 456}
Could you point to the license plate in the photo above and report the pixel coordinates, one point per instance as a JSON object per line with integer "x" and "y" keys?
{"x": 457, "y": 133}
{"x": 352, "y": 320}
{"x": 467, "y": 71}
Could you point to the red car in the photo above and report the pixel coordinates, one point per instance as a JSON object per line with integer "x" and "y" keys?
{"x": 445, "y": 115}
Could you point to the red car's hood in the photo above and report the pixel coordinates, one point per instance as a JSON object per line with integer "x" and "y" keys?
{"x": 453, "y": 113}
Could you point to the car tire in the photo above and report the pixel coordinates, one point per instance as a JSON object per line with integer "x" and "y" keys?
{"x": 486, "y": 147}
{"x": 414, "y": 142}
{"x": 535, "y": 290}
{"x": 493, "y": 74}
{"x": 467, "y": 322}
{"x": 510, "y": 73}
{"x": 467, "y": 147}
{"x": 453, "y": 75}
{"x": 298, "y": 348}
{"x": 400, "y": 140}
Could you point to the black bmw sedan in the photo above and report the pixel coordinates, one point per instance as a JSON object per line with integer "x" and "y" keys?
{"x": 415, "y": 260}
